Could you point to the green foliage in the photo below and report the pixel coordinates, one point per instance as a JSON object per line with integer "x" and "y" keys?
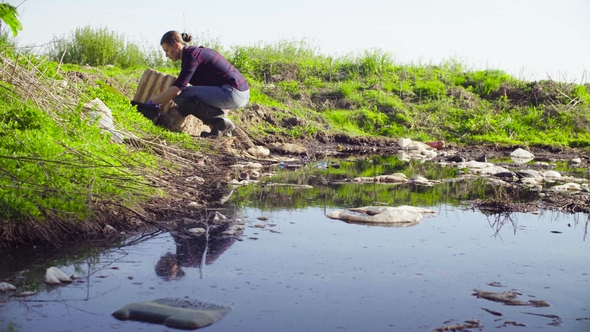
{"x": 42, "y": 172}
{"x": 101, "y": 47}
{"x": 8, "y": 15}
{"x": 483, "y": 82}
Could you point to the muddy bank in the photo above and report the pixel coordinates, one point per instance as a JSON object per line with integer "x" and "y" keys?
{"x": 204, "y": 185}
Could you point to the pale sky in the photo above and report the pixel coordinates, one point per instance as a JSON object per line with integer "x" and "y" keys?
{"x": 529, "y": 39}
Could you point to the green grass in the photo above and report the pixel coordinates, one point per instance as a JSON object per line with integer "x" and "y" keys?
{"x": 57, "y": 163}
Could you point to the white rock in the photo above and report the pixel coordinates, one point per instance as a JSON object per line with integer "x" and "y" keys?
{"x": 570, "y": 186}
{"x": 259, "y": 151}
{"x": 55, "y": 276}
{"x": 472, "y": 164}
{"x": 252, "y": 165}
{"x": 492, "y": 170}
{"x": 577, "y": 160}
{"x": 193, "y": 205}
{"x": 404, "y": 142}
{"x": 529, "y": 182}
{"x": 521, "y": 153}
{"x": 5, "y": 287}
{"x": 219, "y": 216}
{"x": 108, "y": 229}
{"x": 393, "y": 178}
{"x": 401, "y": 216}
{"x": 197, "y": 231}
{"x": 551, "y": 176}
{"x": 194, "y": 179}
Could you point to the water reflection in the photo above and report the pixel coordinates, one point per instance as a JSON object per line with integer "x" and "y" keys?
{"x": 199, "y": 242}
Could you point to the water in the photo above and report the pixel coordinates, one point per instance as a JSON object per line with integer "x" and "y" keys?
{"x": 306, "y": 272}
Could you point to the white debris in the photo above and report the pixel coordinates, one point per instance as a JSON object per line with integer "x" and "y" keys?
{"x": 551, "y": 176}
{"x": 55, "y": 276}
{"x": 194, "y": 179}
{"x": 259, "y": 151}
{"x": 5, "y": 287}
{"x": 491, "y": 170}
{"x": 404, "y": 142}
{"x": 401, "y": 216}
{"x": 521, "y": 153}
{"x": 197, "y": 231}
{"x": 567, "y": 187}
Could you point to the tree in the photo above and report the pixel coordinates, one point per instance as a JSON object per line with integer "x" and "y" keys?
{"x": 8, "y": 15}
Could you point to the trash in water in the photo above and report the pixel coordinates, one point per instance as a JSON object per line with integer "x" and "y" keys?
{"x": 174, "y": 313}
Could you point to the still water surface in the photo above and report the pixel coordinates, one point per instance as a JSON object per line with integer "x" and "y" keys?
{"x": 306, "y": 272}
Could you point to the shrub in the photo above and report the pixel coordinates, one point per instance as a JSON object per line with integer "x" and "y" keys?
{"x": 101, "y": 47}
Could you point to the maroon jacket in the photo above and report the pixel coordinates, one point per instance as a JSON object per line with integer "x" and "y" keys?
{"x": 205, "y": 66}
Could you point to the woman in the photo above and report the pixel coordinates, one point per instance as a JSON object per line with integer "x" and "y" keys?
{"x": 215, "y": 85}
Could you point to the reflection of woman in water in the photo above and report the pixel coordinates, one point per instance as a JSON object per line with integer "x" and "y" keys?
{"x": 190, "y": 251}
{"x": 168, "y": 268}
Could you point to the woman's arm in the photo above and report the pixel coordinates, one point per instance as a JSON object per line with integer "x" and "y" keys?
{"x": 166, "y": 95}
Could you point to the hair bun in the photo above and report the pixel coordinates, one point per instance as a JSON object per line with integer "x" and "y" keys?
{"x": 186, "y": 37}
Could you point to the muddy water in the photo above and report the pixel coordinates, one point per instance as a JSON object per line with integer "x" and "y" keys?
{"x": 305, "y": 272}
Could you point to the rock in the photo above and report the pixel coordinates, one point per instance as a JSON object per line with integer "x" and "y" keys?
{"x": 193, "y": 205}
{"x": 197, "y": 231}
{"x": 551, "y": 176}
{"x": 259, "y": 151}
{"x": 521, "y": 153}
{"x": 393, "y": 178}
{"x": 5, "y": 287}
{"x": 175, "y": 313}
{"x": 25, "y": 294}
{"x": 404, "y": 142}
{"x": 55, "y": 276}
{"x": 401, "y": 216}
{"x": 219, "y": 216}
{"x": 287, "y": 148}
{"x": 577, "y": 160}
{"x": 109, "y": 230}
{"x": 567, "y": 187}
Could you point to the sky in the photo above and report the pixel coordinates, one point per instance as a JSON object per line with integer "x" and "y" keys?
{"x": 529, "y": 39}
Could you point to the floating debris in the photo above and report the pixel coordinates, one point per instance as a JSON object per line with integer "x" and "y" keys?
{"x": 175, "y": 313}
{"x": 555, "y": 320}
{"x": 508, "y": 298}
{"x": 469, "y": 324}
{"x": 493, "y": 312}
{"x": 495, "y": 284}
{"x": 511, "y": 322}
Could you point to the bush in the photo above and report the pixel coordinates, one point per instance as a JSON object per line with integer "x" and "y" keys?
{"x": 101, "y": 47}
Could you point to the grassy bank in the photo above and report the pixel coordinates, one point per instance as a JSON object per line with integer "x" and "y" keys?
{"x": 61, "y": 175}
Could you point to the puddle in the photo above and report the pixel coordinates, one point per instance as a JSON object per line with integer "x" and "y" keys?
{"x": 291, "y": 268}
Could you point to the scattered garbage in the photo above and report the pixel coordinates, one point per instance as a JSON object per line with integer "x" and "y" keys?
{"x": 175, "y": 313}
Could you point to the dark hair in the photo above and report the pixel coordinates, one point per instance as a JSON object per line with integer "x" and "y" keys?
{"x": 173, "y": 36}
